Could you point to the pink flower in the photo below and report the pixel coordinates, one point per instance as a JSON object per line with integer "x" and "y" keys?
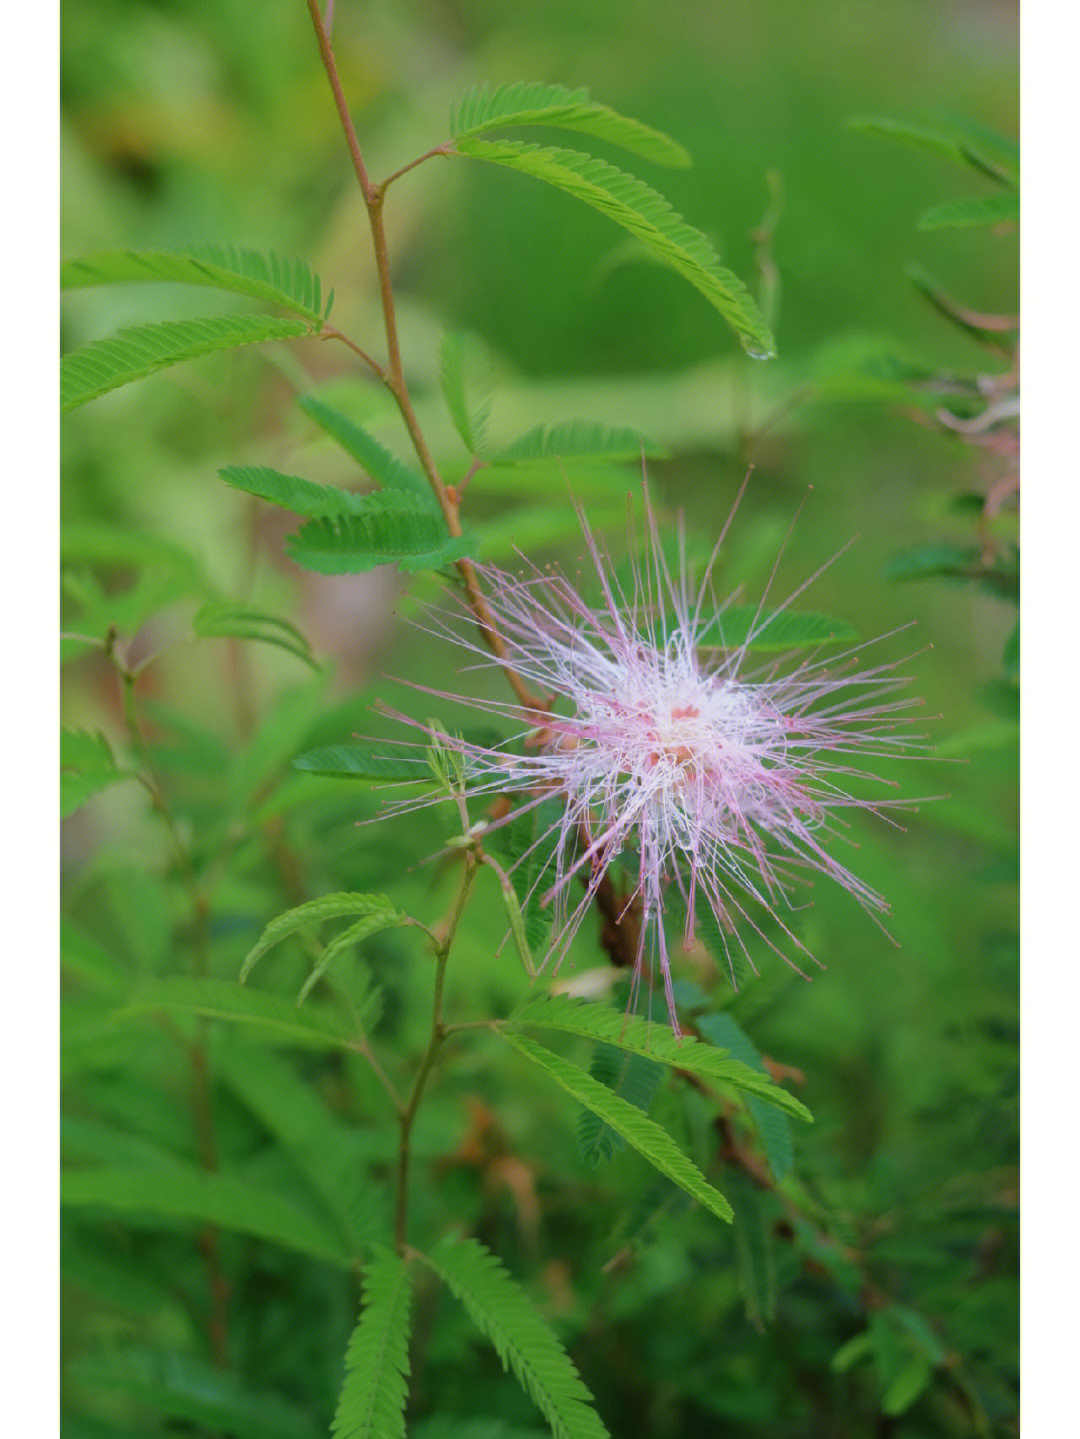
{"x": 727, "y": 780}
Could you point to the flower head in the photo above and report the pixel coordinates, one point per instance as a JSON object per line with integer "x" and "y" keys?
{"x": 667, "y": 742}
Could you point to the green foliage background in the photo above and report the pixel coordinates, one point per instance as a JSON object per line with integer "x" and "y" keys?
{"x": 192, "y": 122}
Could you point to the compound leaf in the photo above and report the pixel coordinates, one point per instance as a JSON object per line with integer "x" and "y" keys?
{"x": 577, "y": 439}
{"x": 638, "y": 208}
{"x": 534, "y": 104}
{"x": 654, "y": 1041}
{"x": 288, "y": 283}
{"x": 132, "y": 354}
{"x": 372, "y": 1402}
{"x": 522, "y": 1340}
{"x": 328, "y": 906}
{"x": 376, "y": 459}
{"x": 649, "y": 1139}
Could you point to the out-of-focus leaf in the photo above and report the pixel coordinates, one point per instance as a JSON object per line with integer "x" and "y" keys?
{"x": 961, "y": 140}
{"x": 576, "y": 439}
{"x": 87, "y": 766}
{"x": 269, "y": 1016}
{"x": 465, "y": 374}
{"x": 193, "y": 1391}
{"x": 227, "y": 619}
{"x": 773, "y": 1126}
{"x": 361, "y": 761}
{"x": 205, "y": 1197}
{"x": 971, "y": 211}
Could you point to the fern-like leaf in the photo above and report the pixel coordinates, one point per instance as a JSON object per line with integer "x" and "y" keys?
{"x": 466, "y": 385}
{"x": 649, "y": 1139}
{"x": 225, "y": 618}
{"x": 524, "y": 104}
{"x": 291, "y": 492}
{"x": 380, "y": 464}
{"x": 288, "y": 283}
{"x": 521, "y": 1338}
{"x": 774, "y": 1127}
{"x": 655, "y": 1041}
{"x": 577, "y": 439}
{"x": 328, "y": 906}
{"x": 133, "y": 354}
{"x": 372, "y": 1402}
{"x": 778, "y": 629}
{"x": 190, "y": 1193}
{"x": 353, "y": 935}
{"x": 357, "y": 761}
{"x": 197, "y": 1393}
{"x": 638, "y": 208}
{"x": 631, "y": 1076}
{"x": 394, "y": 528}
{"x": 972, "y": 210}
{"x": 267, "y": 1016}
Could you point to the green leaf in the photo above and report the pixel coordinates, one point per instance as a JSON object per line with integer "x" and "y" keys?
{"x": 903, "y": 1390}
{"x": 394, "y": 528}
{"x": 849, "y": 1354}
{"x": 531, "y": 840}
{"x": 955, "y": 561}
{"x": 650, "y": 1141}
{"x": 329, "y": 906}
{"x": 372, "y": 1402}
{"x": 132, "y": 354}
{"x": 228, "y": 619}
{"x": 376, "y": 459}
{"x": 327, "y": 1149}
{"x": 778, "y": 629}
{"x": 774, "y": 1127}
{"x": 972, "y": 210}
{"x": 577, "y": 439}
{"x": 289, "y": 283}
{"x": 638, "y": 208}
{"x": 353, "y": 935}
{"x": 1010, "y": 657}
{"x": 936, "y": 295}
{"x": 465, "y": 375}
{"x": 270, "y": 1016}
{"x": 182, "y": 1387}
{"x": 755, "y": 1261}
{"x": 205, "y": 1197}
{"x": 521, "y": 1338}
{"x": 632, "y": 1077}
{"x": 87, "y": 766}
{"x": 303, "y": 497}
{"x": 655, "y": 1041}
{"x": 359, "y": 761}
{"x": 961, "y": 140}
{"x": 524, "y": 104}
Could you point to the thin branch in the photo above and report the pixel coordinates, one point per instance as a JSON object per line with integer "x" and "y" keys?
{"x": 446, "y": 148}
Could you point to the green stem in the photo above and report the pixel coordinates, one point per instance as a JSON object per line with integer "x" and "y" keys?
{"x": 439, "y": 1031}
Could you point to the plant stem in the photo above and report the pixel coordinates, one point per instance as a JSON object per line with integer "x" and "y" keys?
{"x": 438, "y": 1034}
{"x": 393, "y": 374}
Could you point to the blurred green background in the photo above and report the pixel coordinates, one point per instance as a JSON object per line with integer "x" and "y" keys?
{"x": 211, "y": 121}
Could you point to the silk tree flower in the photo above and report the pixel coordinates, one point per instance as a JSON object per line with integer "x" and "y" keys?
{"x": 714, "y": 774}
